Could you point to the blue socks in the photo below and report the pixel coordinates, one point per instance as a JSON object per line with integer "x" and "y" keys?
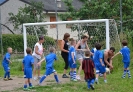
{"x": 74, "y": 75}
{"x": 6, "y": 74}
{"x": 25, "y": 86}
{"x": 30, "y": 84}
{"x": 128, "y": 72}
{"x": 41, "y": 80}
{"x": 56, "y": 78}
{"x": 71, "y": 75}
{"x": 90, "y": 82}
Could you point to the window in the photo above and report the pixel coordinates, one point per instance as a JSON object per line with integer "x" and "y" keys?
{"x": 69, "y": 25}
{"x": 53, "y": 19}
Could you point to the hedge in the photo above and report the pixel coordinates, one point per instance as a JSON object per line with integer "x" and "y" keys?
{"x": 16, "y": 42}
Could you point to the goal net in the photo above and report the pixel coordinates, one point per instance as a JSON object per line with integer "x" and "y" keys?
{"x": 102, "y": 31}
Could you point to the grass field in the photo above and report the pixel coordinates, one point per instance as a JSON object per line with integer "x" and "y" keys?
{"x": 115, "y": 82}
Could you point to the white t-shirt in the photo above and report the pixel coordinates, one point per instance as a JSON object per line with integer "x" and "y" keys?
{"x": 40, "y": 50}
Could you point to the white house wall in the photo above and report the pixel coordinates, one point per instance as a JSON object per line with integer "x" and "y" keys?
{"x": 14, "y": 5}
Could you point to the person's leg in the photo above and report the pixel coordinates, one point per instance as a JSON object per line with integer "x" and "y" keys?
{"x": 35, "y": 68}
{"x": 97, "y": 74}
{"x": 74, "y": 74}
{"x": 80, "y": 68}
{"x": 6, "y": 72}
{"x": 71, "y": 74}
{"x": 88, "y": 83}
{"x": 38, "y": 68}
{"x": 104, "y": 75}
{"x": 65, "y": 57}
{"x": 125, "y": 70}
{"x": 56, "y": 77}
{"x": 91, "y": 83}
{"x": 25, "y": 85}
{"x": 128, "y": 71}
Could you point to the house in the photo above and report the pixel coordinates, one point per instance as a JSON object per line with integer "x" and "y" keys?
{"x": 8, "y": 6}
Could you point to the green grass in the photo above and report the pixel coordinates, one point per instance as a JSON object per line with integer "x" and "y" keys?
{"x": 115, "y": 84}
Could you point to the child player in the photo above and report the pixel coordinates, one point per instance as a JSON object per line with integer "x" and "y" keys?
{"x": 72, "y": 60}
{"x": 50, "y": 58}
{"x": 125, "y": 51}
{"x": 99, "y": 64}
{"x": 88, "y": 68}
{"x": 28, "y": 61}
{"x": 6, "y": 62}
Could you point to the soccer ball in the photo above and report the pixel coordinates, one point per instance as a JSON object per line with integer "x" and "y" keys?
{"x": 108, "y": 70}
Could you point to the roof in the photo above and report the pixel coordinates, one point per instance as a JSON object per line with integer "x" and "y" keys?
{"x": 49, "y": 5}
{"x": 3, "y": 1}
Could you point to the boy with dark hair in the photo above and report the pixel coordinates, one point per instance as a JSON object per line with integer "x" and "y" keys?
{"x": 72, "y": 60}
{"x": 28, "y": 61}
{"x": 88, "y": 68}
{"x": 125, "y": 51}
{"x": 5, "y": 64}
{"x": 50, "y": 58}
{"x": 99, "y": 64}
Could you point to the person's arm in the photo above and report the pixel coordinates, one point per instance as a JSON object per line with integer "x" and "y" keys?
{"x": 72, "y": 54}
{"x": 39, "y": 63}
{"x": 55, "y": 57}
{"x": 106, "y": 60}
{"x": 62, "y": 46}
{"x": 83, "y": 65}
{"x": 101, "y": 58}
{"x": 36, "y": 51}
{"x": 77, "y": 45}
{"x": 23, "y": 65}
{"x": 87, "y": 47}
{"x": 116, "y": 55}
{"x": 7, "y": 58}
{"x": 101, "y": 61}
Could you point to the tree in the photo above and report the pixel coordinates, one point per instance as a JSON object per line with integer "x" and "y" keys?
{"x": 101, "y": 9}
{"x": 29, "y": 14}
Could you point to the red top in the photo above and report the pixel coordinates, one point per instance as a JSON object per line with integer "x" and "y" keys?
{"x": 88, "y": 68}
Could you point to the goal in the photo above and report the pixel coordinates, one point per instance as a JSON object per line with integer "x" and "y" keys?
{"x": 103, "y": 31}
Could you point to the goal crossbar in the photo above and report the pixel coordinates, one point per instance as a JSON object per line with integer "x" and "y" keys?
{"x": 106, "y": 21}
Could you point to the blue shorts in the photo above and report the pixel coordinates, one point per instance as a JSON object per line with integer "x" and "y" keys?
{"x": 72, "y": 65}
{"x": 28, "y": 73}
{"x": 126, "y": 64}
{"x": 100, "y": 69}
{"x": 49, "y": 71}
{"x": 6, "y": 67}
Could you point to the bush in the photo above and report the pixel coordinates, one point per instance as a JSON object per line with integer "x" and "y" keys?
{"x": 16, "y": 42}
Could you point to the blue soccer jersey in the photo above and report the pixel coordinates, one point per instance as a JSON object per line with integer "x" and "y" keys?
{"x": 28, "y": 61}
{"x": 93, "y": 51}
{"x": 50, "y": 58}
{"x": 7, "y": 56}
{"x": 98, "y": 55}
{"x": 125, "y": 51}
{"x": 72, "y": 50}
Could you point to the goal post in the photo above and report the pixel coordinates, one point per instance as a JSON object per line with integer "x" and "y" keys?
{"x": 106, "y": 21}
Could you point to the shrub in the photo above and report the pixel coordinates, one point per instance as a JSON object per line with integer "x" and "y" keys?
{"x": 16, "y": 42}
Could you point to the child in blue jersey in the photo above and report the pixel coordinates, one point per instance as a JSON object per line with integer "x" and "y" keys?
{"x": 5, "y": 63}
{"x": 28, "y": 61}
{"x": 99, "y": 64}
{"x": 125, "y": 51}
{"x": 50, "y": 58}
{"x": 72, "y": 60}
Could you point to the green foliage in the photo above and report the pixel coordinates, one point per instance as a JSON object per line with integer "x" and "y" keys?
{"x": 16, "y": 42}
{"x": 29, "y": 14}
{"x": 101, "y": 9}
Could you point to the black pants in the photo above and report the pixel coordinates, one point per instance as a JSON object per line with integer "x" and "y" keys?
{"x": 65, "y": 57}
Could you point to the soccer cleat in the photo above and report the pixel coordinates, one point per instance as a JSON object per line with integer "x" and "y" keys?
{"x": 39, "y": 77}
{"x": 10, "y": 79}
{"x": 71, "y": 79}
{"x": 75, "y": 80}
{"x": 65, "y": 76}
{"x": 96, "y": 81}
{"x": 105, "y": 81}
{"x": 78, "y": 77}
{"x": 123, "y": 77}
{"x": 31, "y": 87}
{"x": 92, "y": 87}
{"x": 129, "y": 76}
{"x": 26, "y": 89}
{"x": 5, "y": 79}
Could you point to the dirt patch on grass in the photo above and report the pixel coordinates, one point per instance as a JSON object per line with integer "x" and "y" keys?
{"x": 18, "y": 82}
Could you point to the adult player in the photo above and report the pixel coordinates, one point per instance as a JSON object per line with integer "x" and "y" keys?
{"x": 81, "y": 47}
{"x": 37, "y": 54}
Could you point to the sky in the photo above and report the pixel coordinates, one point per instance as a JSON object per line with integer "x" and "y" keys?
{"x": 1, "y": 1}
